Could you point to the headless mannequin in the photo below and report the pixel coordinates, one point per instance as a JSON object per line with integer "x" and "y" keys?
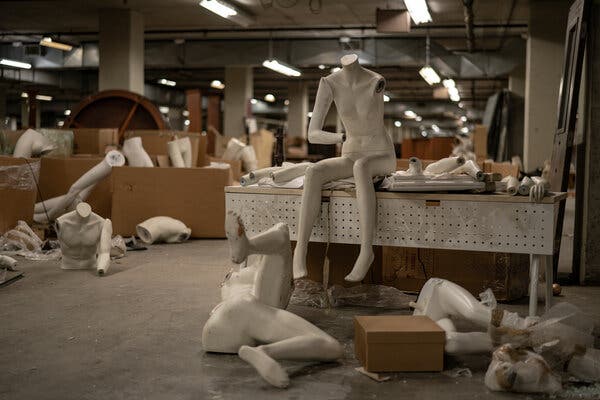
{"x": 367, "y": 152}
{"x": 251, "y": 319}
{"x": 84, "y": 239}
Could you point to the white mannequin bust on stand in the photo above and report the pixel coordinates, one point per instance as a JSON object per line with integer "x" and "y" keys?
{"x": 85, "y": 239}
{"x": 251, "y": 320}
{"x": 367, "y": 151}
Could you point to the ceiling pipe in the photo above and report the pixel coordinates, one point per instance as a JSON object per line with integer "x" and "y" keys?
{"x": 468, "y": 11}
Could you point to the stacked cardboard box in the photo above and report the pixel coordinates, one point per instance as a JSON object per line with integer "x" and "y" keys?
{"x": 155, "y": 143}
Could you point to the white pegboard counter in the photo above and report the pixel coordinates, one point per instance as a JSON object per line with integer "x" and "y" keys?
{"x": 478, "y": 222}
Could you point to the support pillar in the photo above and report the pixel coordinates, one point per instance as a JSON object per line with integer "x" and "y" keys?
{"x": 297, "y": 109}
{"x": 239, "y": 89}
{"x": 545, "y": 52}
{"x": 121, "y": 49}
{"x": 194, "y": 106}
{"x": 213, "y": 119}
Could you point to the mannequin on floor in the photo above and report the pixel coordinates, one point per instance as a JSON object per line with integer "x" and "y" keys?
{"x": 85, "y": 239}
{"x": 251, "y": 320}
{"x": 367, "y": 151}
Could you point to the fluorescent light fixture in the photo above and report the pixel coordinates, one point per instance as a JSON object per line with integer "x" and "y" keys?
{"x": 410, "y": 114}
{"x": 335, "y": 69}
{"x": 269, "y": 97}
{"x": 309, "y": 114}
{"x": 397, "y": 124}
{"x": 253, "y": 101}
{"x": 418, "y": 118}
{"x": 453, "y": 93}
{"x": 217, "y": 84}
{"x": 429, "y": 74}
{"x": 41, "y": 97}
{"x": 281, "y": 68}
{"x": 322, "y": 66}
{"x": 435, "y": 128}
{"x": 449, "y": 83}
{"x": 463, "y": 118}
{"x": 186, "y": 122}
{"x": 386, "y": 98}
{"x": 16, "y": 64}
{"x": 418, "y": 11}
{"x": 67, "y": 112}
{"x": 218, "y": 8}
{"x": 163, "y": 109}
{"x": 286, "y": 102}
{"x": 48, "y": 42}
{"x": 167, "y": 82}
{"x": 464, "y": 129}
{"x": 185, "y": 113}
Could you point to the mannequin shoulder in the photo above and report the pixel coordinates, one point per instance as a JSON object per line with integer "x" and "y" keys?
{"x": 378, "y": 81}
{"x": 327, "y": 83}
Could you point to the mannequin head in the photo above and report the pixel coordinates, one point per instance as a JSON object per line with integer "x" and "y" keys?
{"x": 348, "y": 59}
{"x": 83, "y": 210}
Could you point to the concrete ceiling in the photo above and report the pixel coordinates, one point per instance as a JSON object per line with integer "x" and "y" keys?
{"x": 309, "y": 35}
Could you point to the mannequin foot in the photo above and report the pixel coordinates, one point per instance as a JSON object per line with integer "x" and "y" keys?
{"x": 268, "y": 368}
{"x": 299, "y": 263}
{"x": 236, "y": 234}
{"x": 362, "y": 265}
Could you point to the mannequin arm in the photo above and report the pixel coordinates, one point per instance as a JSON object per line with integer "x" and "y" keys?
{"x": 316, "y": 134}
{"x": 104, "y": 248}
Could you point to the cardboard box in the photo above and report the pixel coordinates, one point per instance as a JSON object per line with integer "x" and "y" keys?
{"x": 480, "y": 135}
{"x": 196, "y": 196}
{"x": 16, "y": 203}
{"x": 502, "y": 168}
{"x": 399, "y": 343}
{"x": 236, "y": 166}
{"x": 505, "y": 273}
{"x": 58, "y": 174}
{"x": 433, "y": 148}
{"x": 94, "y": 141}
{"x": 155, "y": 143}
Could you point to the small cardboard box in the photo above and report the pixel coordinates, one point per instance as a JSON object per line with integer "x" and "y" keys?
{"x": 480, "y": 136}
{"x": 399, "y": 343}
{"x": 16, "y": 203}
{"x": 94, "y": 141}
{"x": 195, "y": 196}
{"x": 58, "y": 174}
{"x": 155, "y": 143}
{"x": 506, "y": 274}
{"x": 236, "y": 166}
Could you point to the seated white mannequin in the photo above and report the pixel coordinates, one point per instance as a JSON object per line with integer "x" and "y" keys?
{"x": 85, "y": 239}
{"x": 367, "y": 152}
{"x": 251, "y": 319}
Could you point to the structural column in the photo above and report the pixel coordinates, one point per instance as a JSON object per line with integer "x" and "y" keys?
{"x": 213, "y": 121}
{"x": 545, "y": 52}
{"x": 121, "y": 47}
{"x": 239, "y": 89}
{"x": 193, "y": 98}
{"x": 297, "y": 109}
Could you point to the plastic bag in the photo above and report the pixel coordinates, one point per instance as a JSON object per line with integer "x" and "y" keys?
{"x": 20, "y": 177}
{"x": 118, "y": 248}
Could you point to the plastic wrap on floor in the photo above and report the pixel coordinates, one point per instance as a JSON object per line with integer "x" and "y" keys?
{"x": 22, "y": 241}
{"x": 20, "y": 177}
{"x": 312, "y": 294}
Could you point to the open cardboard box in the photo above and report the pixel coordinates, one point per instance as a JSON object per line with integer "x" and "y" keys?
{"x": 94, "y": 141}
{"x": 15, "y": 203}
{"x": 155, "y": 143}
{"x": 195, "y": 196}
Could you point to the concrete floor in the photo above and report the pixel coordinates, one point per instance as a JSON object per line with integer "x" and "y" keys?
{"x": 136, "y": 334}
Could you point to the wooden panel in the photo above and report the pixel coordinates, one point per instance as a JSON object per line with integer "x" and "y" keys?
{"x": 213, "y": 119}
{"x": 194, "y": 106}
{"x": 427, "y": 149}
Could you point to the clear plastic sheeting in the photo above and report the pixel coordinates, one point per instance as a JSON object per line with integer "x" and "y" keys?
{"x": 22, "y": 241}
{"x": 118, "y": 248}
{"x": 458, "y": 373}
{"x": 488, "y": 299}
{"x": 312, "y": 294}
{"x": 20, "y": 177}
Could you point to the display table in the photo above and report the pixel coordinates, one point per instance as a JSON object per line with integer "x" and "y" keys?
{"x": 477, "y": 222}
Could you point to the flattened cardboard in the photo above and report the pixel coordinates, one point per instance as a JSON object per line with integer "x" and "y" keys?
{"x": 399, "y": 343}
{"x": 196, "y": 196}
{"x": 58, "y": 174}
{"x": 15, "y": 204}
{"x": 94, "y": 141}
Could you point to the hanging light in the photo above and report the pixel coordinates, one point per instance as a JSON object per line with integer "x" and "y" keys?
{"x": 41, "y": 97}
{"x": 281, "y": 67}
{"x": 217, "y": 84}
{"x": 427, "y": 72}
{"x": 269, "y": 97}
{"x": 219, "y": 8}
{"x": 448, "y": 83}
{"x": 453, "y": 93}
{"x": 67, "y": 112}
{"x": 386, "y": 98}
{"x": 166, "y": 82}
{"x": 163, "y": 109}
{"x": 418, "y": 118}
{"x": 397, "y": 124}
{"x": 410, "y": 114}
{"x": 322, "y": 66}
{"x": 253, "y": 101}
{"x": 435, "y": 128}
{"x": 48, "y": 42}
{"x": 418, "y": 11}
{"x": 15, "y": 64}
{"x": 335, "y": 69}
{"x": 463, "y": 118}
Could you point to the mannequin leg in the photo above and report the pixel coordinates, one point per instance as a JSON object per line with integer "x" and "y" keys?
{"x": 465, "y": 342}
{"x": 364, "y": 170}
{"x": 316, "y": 175}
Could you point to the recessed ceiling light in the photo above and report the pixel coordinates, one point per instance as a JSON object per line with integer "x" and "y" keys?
{"x": 186, "y": 122}
{"x": 270, "y": 98}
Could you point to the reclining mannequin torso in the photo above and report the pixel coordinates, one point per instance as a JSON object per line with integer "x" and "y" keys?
{"x": 253, "y": 314}
{"x": 84, "y": 239}
{"x": 366, "y": 152}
